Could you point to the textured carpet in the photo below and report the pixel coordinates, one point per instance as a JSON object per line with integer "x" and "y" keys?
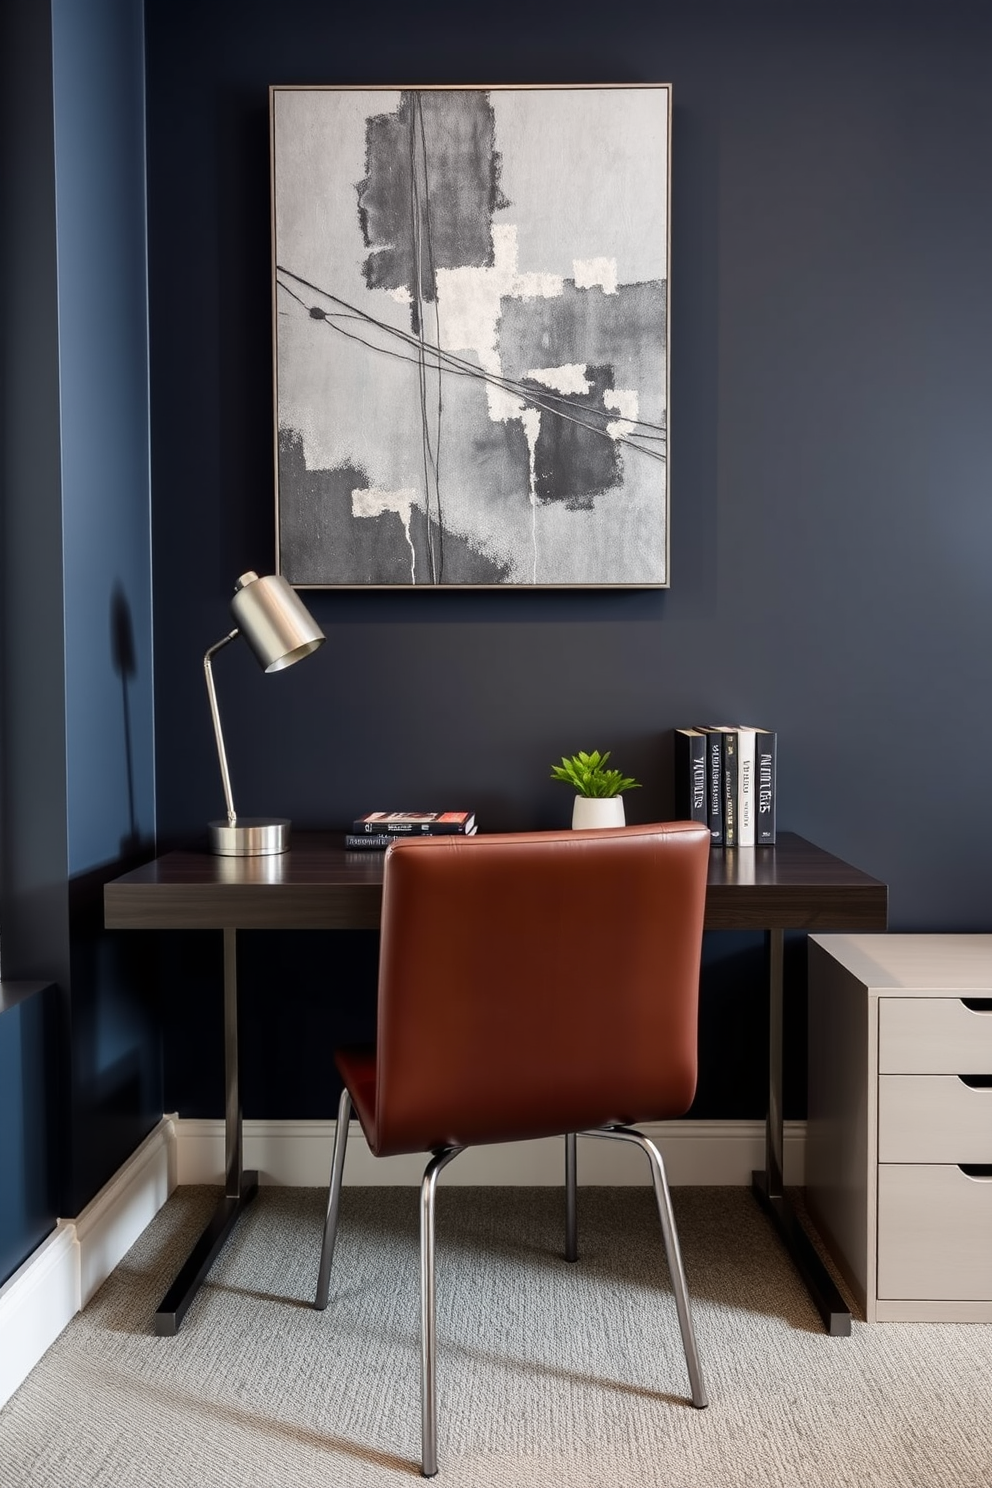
{"x": 571, "y": 1376}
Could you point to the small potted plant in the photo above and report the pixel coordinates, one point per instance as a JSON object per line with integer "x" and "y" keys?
{"x": 598, "y": 798}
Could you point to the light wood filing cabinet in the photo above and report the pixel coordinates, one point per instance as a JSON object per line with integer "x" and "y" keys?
{"x": 899, "y": 1128}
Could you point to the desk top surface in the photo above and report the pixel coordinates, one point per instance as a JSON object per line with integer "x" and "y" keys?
{"x": 320, "y": 885}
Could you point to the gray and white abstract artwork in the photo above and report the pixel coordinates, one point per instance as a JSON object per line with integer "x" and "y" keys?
{"x": 471, "y": 312}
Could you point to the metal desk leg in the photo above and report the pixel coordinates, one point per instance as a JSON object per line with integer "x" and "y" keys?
{"x": 768, "y": 1186}
{"x": 239, "y": 1187}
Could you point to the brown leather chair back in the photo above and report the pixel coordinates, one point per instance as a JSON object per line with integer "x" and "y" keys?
{"x": 534, "y": 984}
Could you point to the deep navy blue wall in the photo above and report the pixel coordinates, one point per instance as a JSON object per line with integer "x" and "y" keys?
{"x": 76, "y": 748}
{"x": 29, "y": 1109}
{"x": 114, "y": 1076}
{"x": 103, "y": 342}
{"x": 33, "y": 903}
{"x": 831, "y": 459}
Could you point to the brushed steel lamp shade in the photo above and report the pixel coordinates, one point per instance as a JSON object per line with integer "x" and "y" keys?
{"x": 280, "y": 631}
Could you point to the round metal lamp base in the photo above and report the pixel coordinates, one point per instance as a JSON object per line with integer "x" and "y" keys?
{"x": 250, "y": 837}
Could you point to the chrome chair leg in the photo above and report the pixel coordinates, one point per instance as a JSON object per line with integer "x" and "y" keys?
{"x": 571, "y": 1222}
{"x": 670, "y": 1234}
{"x": 428, "y": 1385}
{"x": 333, "y": 1201}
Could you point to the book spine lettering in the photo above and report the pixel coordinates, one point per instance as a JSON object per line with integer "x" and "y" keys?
{"x": 765, "y": 755}
{"x": 444, "y": 829}
{"x": 691, "y": 776}
{"x": 729, "y": 788}
{"x": 411, "y": 829}
{"x": 745, "y": 787}
{"x": 714, "y": 801}
{"x": 424, "y": 829}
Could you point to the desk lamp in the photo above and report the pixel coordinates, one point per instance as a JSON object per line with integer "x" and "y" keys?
{"x": 280, "y": 630}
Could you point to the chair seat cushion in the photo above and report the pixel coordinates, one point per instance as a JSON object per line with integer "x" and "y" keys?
{"x": 474, "y": 1125}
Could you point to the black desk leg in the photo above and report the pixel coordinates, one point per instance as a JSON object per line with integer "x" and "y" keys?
{"x": 240, "y": 1187}
{"x": 768, "y": 1186}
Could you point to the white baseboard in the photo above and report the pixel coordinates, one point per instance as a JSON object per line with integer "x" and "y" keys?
{"x": 67, "y": 1269}
{"x": 35, "y": 1305}
{"x": 298, "y": 1154}
{"x": 111, "y": 1223}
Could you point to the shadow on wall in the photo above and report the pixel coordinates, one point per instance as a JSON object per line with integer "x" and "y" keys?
{"x": 122, "y": 651}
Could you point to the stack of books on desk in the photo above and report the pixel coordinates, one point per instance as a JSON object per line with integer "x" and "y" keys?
{"x": 725, "y": 777}
{"x": 379, "y": 828}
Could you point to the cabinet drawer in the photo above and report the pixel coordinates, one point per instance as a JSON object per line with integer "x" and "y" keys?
{"x": 933, "y": 1119}
{"x": 934, "y": 1233}
{"x": 934, "y": 1036}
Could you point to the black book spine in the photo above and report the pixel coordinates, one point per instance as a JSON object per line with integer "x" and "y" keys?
{"x": 690, "y": 776}
{"x": 413, "y": 829}
{"x": 765, "y": 760}
{"x": 730, "y": 788}
{"x": 442, "y": 829}
{"x": 714, "y": 783}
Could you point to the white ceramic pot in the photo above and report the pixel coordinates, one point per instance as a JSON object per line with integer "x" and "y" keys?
{"x": 598, "y": 811}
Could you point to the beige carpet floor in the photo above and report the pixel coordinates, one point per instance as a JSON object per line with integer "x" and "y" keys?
{"x": 571, "y": 1376}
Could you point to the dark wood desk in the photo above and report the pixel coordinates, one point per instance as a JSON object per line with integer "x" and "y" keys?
{"x": 318, "y": 885}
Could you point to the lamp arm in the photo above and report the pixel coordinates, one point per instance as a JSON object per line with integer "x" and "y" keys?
{"x": 215, "y": 715}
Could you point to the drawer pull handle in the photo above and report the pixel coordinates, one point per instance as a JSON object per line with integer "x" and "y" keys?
{"x": 977, "y": 1170}
{"x": 978, "y": 1004}
{"x": 977, "y": 1082}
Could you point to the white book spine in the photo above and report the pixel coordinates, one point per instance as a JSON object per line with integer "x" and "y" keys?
{"x": 746, "y": 794}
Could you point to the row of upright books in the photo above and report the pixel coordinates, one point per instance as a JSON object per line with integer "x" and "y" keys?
{"x": 377, "y": 829}
{"x": 725, "y": 777}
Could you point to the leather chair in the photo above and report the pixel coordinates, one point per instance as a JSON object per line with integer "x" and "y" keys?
{"x": 530, "y": 985}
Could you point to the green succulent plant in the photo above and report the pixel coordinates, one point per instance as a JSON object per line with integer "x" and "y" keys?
{"x": 588, "y": 776}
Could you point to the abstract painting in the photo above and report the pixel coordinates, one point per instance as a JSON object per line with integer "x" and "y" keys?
{"x": 470, "y": 307}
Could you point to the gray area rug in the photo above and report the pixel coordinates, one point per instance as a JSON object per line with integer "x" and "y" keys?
{"x": 548, "y": 1373}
